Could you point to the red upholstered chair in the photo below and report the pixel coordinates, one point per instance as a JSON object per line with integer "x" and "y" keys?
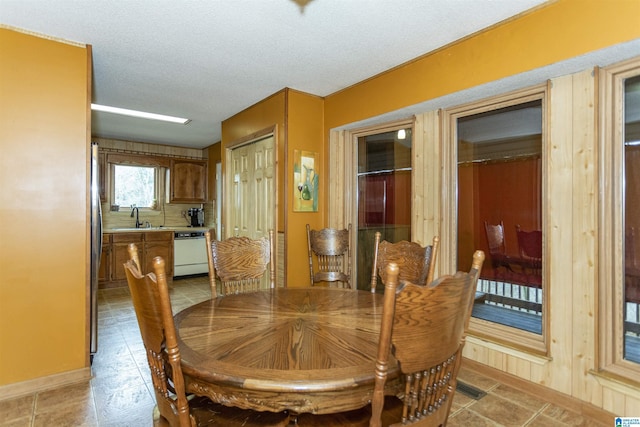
{"x": 530, "y": 249}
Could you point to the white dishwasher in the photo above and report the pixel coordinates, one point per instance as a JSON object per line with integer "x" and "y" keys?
{"x": 189, "y": 253}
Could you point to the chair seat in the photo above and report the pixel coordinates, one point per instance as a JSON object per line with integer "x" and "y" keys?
{"x": 208, "y": 413}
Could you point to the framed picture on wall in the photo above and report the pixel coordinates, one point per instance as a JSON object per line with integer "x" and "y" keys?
{"x": 305, "y": 181}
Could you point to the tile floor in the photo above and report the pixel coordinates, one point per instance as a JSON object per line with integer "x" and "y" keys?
{"x": 120, "y": 393}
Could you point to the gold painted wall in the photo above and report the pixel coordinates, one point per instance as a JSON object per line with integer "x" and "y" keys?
{"x": 555, "y": 32}
{"x": 44, "y": 124}
{"x": 304, "y": 118}
{"x": 299, "y": 119}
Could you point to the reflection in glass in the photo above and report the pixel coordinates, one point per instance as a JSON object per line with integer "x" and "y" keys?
{"x": 500, "y": 211}
{"x": 384, "y": 194}
{"x": 632, "y": 219}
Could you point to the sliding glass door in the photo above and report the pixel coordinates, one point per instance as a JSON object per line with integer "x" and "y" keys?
{"x": 500, "y": 210}
{"x": 384, "y": 194}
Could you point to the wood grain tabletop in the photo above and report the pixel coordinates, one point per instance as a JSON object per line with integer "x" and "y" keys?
{"x": 298, "y": 349}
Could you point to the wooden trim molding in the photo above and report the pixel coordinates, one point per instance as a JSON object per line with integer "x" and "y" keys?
{"x": 142, "y": 160}
{"x": 23, "y": 388}
{"x": 544, "y": 393}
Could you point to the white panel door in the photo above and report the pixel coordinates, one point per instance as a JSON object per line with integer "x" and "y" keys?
{"x": 252, "y": 201}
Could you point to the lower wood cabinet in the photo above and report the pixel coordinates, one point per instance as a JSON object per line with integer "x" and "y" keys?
{"x": 159, "y": 243}
{"x": 115, "y": 253}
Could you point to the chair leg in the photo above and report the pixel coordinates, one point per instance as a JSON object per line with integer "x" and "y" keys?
{"x": 159, "y": 420}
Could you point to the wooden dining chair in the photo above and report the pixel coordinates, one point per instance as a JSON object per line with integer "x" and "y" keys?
{"x": 240, "y": 263}
{"x": 151, "y": 302}
{"x": 134, "y": 255}
{"x": 416, "y": 263}
{"x": 424, "y": 327}
{"x": 331, "y": 249}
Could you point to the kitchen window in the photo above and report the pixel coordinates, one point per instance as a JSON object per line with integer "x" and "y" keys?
{"x": 135, "y": 186}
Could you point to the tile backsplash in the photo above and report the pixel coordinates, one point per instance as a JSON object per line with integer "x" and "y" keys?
{"x": 169, "y": 215}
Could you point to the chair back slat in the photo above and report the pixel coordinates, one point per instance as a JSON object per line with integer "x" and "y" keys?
{"x": 416, "y": 263}
{"x": 331, "y": 249}
{"x": 240, "y": 263}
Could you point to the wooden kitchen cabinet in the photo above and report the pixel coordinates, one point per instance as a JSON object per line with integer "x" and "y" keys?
{"x": 120, "y": 253}
{"x": 158, "y": 243}
{"x": 115, "y": 253}
{"x": 188, "y": 181}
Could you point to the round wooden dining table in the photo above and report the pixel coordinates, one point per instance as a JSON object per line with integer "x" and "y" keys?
{"x": 297, "y": 349}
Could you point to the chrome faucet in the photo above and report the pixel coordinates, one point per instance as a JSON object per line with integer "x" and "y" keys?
{"x": 137, "y": 212}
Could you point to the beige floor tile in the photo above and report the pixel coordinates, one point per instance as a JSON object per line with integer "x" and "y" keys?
{"x": 519, "y": 397}
{"x": 475, "y": 379}
{"x": 68, "y": 415}
{"x": 17, "y": 408}
{"x": 20, "y": 422}
{"x": 77, "y": 395}
{"x": 544, "y": 421}
{"x": 120, "y": 394}
{"x": 468, "y": 418}
{"x": 502, "y": 410}
{"x": 461, "y": 400}
{"x": 569, "y": 418}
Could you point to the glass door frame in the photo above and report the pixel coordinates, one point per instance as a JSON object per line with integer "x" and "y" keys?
{"x": 344, "y": 146}
{"x": 535, "y": 343}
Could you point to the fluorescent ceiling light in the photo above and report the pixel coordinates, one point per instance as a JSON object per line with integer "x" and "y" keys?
{"x": 141, "y": 114}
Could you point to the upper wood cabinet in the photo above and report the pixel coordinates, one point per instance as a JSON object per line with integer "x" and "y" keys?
{"x": 188, "y": 181}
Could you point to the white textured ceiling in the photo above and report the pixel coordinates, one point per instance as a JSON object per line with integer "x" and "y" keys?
{"x": 209, "y": 59}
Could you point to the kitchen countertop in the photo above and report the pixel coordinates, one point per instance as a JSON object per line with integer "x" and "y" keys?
{"x": 152, "y": 229}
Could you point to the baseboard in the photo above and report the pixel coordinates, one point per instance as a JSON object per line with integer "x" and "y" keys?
{"x": 544, "y": 393}
{"x": 11, "y": 391}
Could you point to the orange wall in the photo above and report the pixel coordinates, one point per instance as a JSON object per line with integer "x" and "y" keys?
{"x": 43, "y": 206}
{"x": 304, "y": 118}
{"x": 558, "y": 31}
{"x": 299, "y": 119}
